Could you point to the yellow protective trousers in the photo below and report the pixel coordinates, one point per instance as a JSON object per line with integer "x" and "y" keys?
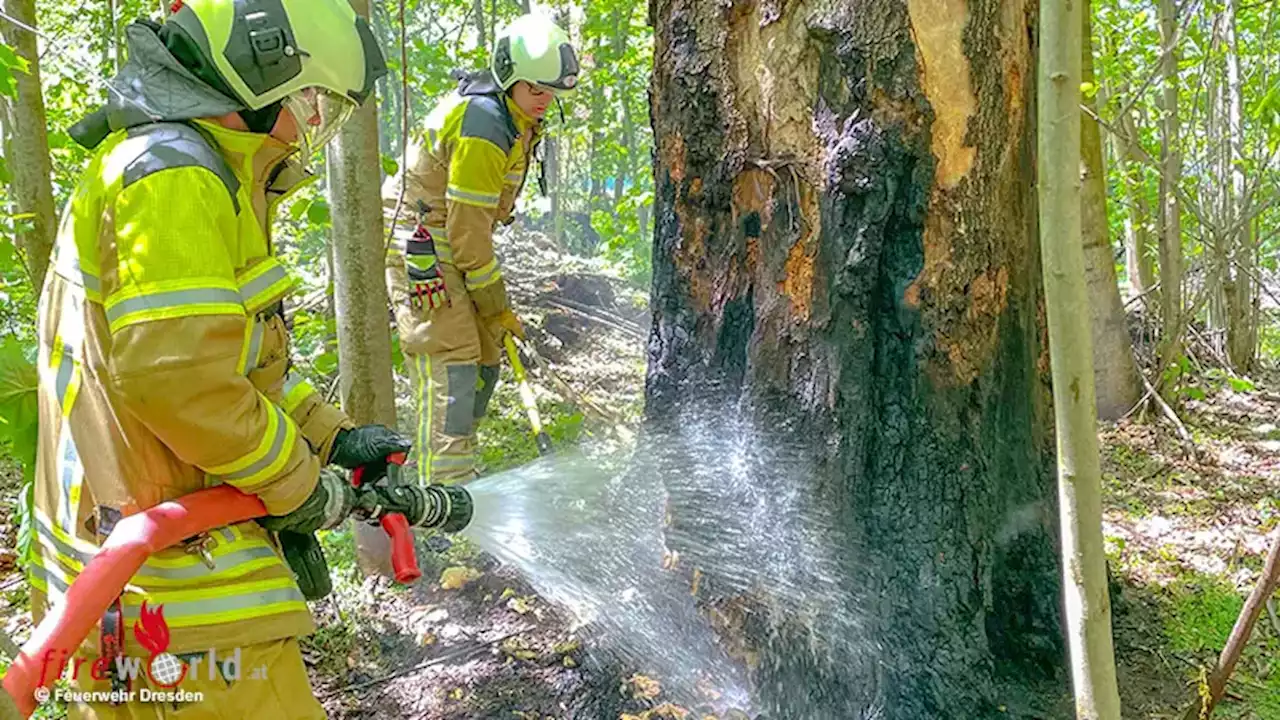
{"x": 454, "y": 374}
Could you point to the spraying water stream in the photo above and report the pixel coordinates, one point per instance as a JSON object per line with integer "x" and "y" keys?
{"x": 592, "y": 534}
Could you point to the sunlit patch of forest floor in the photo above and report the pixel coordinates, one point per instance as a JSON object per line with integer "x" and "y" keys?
{"x": 1187, "y": 528}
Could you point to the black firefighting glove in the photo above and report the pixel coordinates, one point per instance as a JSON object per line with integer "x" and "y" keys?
{"x": 367, "y": 445}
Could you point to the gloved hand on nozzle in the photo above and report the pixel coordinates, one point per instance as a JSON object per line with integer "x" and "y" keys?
{"x": 367, "y": 445}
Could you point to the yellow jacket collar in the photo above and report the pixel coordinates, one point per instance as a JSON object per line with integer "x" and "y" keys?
{"x": 254, "y": 156}
{"x": 523, "y": 120}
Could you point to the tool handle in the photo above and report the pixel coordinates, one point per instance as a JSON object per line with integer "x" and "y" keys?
{"x": 404, "y": 559}
{"x": 526, "y": 396}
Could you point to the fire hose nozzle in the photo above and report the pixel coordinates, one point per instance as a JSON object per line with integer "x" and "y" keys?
{"x": 449, "y": 508}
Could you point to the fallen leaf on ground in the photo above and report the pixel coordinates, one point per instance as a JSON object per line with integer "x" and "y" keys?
{"x": 566, "y": 647}
{"x": 455, "y": 578}
{"x": 644, "y": 687}
{"x": 521, "y": 605}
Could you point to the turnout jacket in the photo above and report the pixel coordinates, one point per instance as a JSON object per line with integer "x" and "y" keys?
{"x": 463, "y": 172}
{"x": 164, "y": 360}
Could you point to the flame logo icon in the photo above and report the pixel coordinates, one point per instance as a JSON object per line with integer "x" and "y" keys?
{"x": 152, "y": 632}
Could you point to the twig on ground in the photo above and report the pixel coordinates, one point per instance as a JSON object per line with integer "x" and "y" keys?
{"x": 1168, "y": 412}
{"x": 447, "y": 657}
{"x": 600, "y": 312}
{"x": 559, "y": 304}
{"x": 1141, "y": 401}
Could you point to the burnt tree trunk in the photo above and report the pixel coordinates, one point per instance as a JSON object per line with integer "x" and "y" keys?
{"x": 846, "y": 234}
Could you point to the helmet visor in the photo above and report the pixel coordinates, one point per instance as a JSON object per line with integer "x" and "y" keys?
{"x": 319, "y": 115}
{"x": 568, "y": 78}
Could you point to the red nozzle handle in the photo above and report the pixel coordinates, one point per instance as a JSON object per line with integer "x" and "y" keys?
{"x": 357, "y": 475}
{"x": 404, "y": 560}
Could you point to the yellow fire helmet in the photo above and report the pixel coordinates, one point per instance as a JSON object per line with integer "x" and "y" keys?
{"x": 534, "y": 49}
{"x": 318, "y": 57}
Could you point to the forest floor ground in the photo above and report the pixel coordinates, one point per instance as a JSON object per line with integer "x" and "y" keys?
{"x": 1187, "y": 526}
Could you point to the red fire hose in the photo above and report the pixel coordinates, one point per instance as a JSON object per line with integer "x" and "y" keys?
{"x": 131, "y": 542}
{"x": 134, "y": 539}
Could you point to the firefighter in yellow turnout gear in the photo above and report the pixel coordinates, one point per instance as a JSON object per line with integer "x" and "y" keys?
{"x": 462, "y": 175}
{"x": 164, "y": 356}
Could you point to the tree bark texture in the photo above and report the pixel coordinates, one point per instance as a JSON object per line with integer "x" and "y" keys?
{"x": 360, "y": 294}
{"x": 1139, "y": 248}
{"x": 1218, "y": 207}
{"x": 1242, "y": 297}
{"x": 28, "y": 146}
{"x": 1114, "y": 371}
{"x": 846, "y": 233}
{"x": 1170, "y": 237}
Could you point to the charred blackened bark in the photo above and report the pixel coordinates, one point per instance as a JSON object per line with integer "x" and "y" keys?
{"x": 846, "y": 235}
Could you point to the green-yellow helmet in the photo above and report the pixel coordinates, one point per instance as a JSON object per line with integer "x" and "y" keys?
{"x": 317, "y": 56}
{"x": 534, "y": 49}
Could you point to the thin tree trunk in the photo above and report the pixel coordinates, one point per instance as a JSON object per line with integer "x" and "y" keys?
{"x": 861, "y": 259}
{"x": 621, "y": 27}
{"x": 360, "y": 295}
{"x": 1170, "y": 237}
{"x": 108, "y": 38}
{"x": 1139, "y": 247}
{"x": 1217, "y": 205}
{"x": 27, "y": 146}
{"x": 1062, "y": 205}
{"x": 1242, "y": 325}
{"x": 117, "y": 33}
{"x": 1115, "y": 372}
{"x": 482, "y": 28}
{"x": 643, "y": 220}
